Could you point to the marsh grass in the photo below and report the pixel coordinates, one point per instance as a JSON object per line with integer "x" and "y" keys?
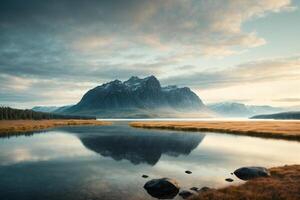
{"x": 284, "y": 183}
{"x": 289, "y": 130}
{"x": 24, "y": 126}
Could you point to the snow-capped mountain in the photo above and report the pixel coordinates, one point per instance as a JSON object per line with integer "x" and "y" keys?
{"x": 136, "y": 96}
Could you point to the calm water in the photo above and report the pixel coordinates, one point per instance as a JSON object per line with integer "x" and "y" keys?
{"x": 108, "y": 162}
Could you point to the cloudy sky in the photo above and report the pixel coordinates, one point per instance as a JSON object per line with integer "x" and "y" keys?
{"x": 52, "y": 52}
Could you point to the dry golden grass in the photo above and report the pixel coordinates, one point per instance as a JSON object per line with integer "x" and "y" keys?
{"x": 284, "y": 183}
{"x": 22, "y": 126}
{"x": 289, "y": 130}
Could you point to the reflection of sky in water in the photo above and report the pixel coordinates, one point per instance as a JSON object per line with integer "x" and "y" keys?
{"x": 87, "y": 162}
{"x": 40, "y": 147}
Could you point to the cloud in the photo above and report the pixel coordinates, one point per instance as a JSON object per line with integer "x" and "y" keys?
{"x": 266, "y": 70}
{"x": 51, "y": 33}
{"x": 263, "y": 82}
{"x": 197, "y": 23}
{"x": 48, "y": 46}
{"x": 60, "y": 91}
{"x": 287, "y": 100}
{"x": 26, "y": 92}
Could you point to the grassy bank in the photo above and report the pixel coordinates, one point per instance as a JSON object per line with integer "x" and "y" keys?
{"x": 23, "y": 126}
{"x": 284, "y": 183}
{"x": 289, "y": 130}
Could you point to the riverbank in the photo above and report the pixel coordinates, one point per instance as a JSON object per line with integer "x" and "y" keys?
{"x": 289, "y": 130}
{"x": 24, "y": 126}
{"x": 284, "y": 183}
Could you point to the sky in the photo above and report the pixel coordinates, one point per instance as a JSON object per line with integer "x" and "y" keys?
{"x": 52, "y": 52}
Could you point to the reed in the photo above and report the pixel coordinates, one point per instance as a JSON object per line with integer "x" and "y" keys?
{"x": 282, "y": 184}
{"x": 23, "y": 126}
{"x": 289, "y": 130}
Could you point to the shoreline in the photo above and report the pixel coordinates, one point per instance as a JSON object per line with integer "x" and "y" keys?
{"x": 15, "y": 127}
{"x": 282, "y": 184}
{"x": 288, "y": 130}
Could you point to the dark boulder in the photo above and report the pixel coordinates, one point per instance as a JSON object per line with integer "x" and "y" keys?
{"x": 194, "y": 189}
{"x": 163, "y": 188}
{"x": 204, "y": 189}
{"x": 185, "y": 194}
{"x": 229, "y": 179}
{"x": 247, "y": 173}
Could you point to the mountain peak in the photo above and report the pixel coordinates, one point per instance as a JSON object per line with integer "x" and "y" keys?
{"x": 138, "y": 94}
{"x": 112, "y": 84}
{"x": 151, "y": 77}
{"x": 152, "y": 82}
{"x": 116, "y": 81}
{"x": 148, "y": 82}
{"x": 133, "y": 78}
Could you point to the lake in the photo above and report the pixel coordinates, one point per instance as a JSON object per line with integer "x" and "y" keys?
{"x": 107, "y": 162}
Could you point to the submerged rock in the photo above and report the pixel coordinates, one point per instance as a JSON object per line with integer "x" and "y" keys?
{"x": 247, "y": 173}
{"x": 185, "y": 194}
{"x": 229, "y": 179}
{"x": 194, "y": 189}
{"x": 188, "y": 172}
{"x": 163, "y": 188}
{"x": 204, "y": 189}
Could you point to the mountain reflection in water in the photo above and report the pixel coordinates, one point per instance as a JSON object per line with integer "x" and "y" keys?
{"x": 136, "y": 145}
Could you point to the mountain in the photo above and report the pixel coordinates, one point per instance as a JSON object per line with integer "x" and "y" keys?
{"x": 50, "y": 109}
{"x": 233, "y": 109}
{"x": 137, "y": 97}
{"x": 283, "y": 115}
{"x": 46, "y": 109}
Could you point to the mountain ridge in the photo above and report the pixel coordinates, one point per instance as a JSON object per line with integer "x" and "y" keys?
{"x": 143, "y": 97}
{"x": 234, "y": 109}
{"x": 292, "y": 115}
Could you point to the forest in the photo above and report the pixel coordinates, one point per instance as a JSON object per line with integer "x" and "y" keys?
{"x": 7, "y": 113}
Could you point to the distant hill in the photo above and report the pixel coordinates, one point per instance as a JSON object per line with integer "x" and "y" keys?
{"x": 137, "y": 97}
{"x": 50, "y": 109}
{"x": 233, "y": 109}
{"x": 283, "y": 115}
{"x": 46, "y": 109}
{"x": 7, "y": 113}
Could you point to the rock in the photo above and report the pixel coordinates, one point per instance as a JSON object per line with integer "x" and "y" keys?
{"x": 229, "y": 179}
{"x": 247, "y": 173}
{"x": 163, "y": 188}
{"x": 188, "y": 172}
{"x": 185, "y": 194}
{"x": 145, "y": 176}
{"x": 194, "y": 189}
{"x": 204, "y": 189}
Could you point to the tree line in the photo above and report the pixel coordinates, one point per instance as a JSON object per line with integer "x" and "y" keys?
{"x": 7, "y": 113}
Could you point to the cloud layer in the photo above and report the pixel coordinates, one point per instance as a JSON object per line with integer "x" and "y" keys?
{"x": 48, "y": 46}
{"x": 259, "y": 71}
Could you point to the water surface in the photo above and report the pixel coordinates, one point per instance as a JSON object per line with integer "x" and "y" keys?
{"x": 107, "y": 162}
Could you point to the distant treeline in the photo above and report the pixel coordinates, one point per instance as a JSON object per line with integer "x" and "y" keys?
{"x": 283, "y": 115}
{"x": 7, "y": 113}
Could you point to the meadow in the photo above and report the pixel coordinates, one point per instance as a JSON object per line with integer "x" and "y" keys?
{"x": 289, "y": 130}
{"x": 23, "y": 126}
